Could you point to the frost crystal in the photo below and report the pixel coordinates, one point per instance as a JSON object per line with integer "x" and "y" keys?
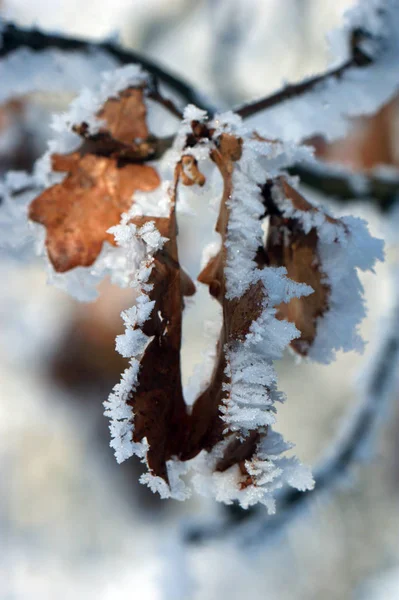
{"x": 133, "y": 342}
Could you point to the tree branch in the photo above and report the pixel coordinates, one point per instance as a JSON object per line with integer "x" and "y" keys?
{"x": 14, "y": 37}
{"x": 344, "y": 185}
{"x": 358, "y": 59}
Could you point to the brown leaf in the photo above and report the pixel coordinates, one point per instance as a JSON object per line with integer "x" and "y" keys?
{"x": 101, "y": 179}
{"x": 288, "y": 246}
{"x": 125, "y": 116}
{"x": 371, "y": 141}
{"x": 124, "y": 133}
{"x": 190, "y": 174}
{"x": 207, "y": 426}
{"x": 90, "y": 200}
{"x": 158, "y": 405}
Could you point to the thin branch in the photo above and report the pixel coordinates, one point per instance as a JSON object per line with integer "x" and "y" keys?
{"x": 252, "y": 526}
{"x": 358, "y": 59}
{"x": 344, "y": 185}
{"x": 155, "y": 95}
{"x": 13, "y": 37}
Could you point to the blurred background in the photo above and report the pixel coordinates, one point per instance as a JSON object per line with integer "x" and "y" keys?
{"x": 73, "y": 523}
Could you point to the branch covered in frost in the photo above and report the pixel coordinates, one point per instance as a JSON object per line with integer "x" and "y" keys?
{"x": 379, "y": 187}
{"x": 291, "y": 91}
{"x": 15, "y": 38}
{"x": 362, "y": 83}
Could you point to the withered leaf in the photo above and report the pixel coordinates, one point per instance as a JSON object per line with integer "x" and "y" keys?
{"x": 158, "y": 405}
{"x": 190, "y": 173}
{"x": 287, "y": 245}
{"x": 125, "y": 116}
{"x": 78, "y": 211}
{"x": 101, "y": 179}
{"x": 207, "y": 426}
{"x": 124, "y": 133}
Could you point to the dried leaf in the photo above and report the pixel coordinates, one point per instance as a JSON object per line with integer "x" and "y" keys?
{"x": 371, "y": 141}
{"x": 190, "y": 173}
{"x": 158, "y": 405}
{"x": 207, "y": 425}
{"x": 90, "y": 200}
{"x": 124, "y": 133}
{"x": 289, "y": 246}
{"x": 238, "y": 451}
{"x": 125, "y": 116}
{"x": 99, "y": 185}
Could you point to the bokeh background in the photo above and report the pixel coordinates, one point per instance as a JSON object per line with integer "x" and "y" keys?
{"x": 73, "y": 523}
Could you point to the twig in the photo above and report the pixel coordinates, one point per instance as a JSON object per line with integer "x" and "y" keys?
{"x": 358, "y": 59}
{"x": 13, "y": 37}
{"x": 345, "y": 186}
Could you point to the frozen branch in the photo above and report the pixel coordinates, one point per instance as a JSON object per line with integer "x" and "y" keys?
{"x": 343, "y": 185}
{"x": 14, "y": 38}
{"x": 358, "y": 59}
{"x": 293, "y": 90}
{"x": 360, "y": 85}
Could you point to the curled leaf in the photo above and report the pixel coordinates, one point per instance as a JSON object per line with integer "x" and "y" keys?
{"x": 324, "y": 253}
{"x": 157, "y": 400}
{"x": 290, "y": 247}
{"x": 190, "y": 173}
{"x": 159, "y": 416}
{"x": 206, "y": 421}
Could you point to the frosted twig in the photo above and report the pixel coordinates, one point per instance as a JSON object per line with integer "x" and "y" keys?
{"x": 344, "y": 185}
{"x": 358, "y": 59}
{"x": 14, "y": 37}
{"x": 367, "y": 32}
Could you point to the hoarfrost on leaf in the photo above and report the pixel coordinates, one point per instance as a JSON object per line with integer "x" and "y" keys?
{"x": 108, "y": 193}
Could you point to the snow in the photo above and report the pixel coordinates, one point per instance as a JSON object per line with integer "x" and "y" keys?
{"x": 133, "y": 342}
{"x": 269, "y": 468}
{"x": 250, "y": 403}
{"x": 193, "y": 113}
{"x": 24, "y": 71}
{"x": 17, "y": 190}
{"x": 177, "y": 489}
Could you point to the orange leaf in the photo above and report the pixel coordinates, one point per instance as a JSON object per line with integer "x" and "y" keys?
{"x": 124, "y": 133}
{"x": 90, "y": 200}
{"x": 98, "y": 186}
